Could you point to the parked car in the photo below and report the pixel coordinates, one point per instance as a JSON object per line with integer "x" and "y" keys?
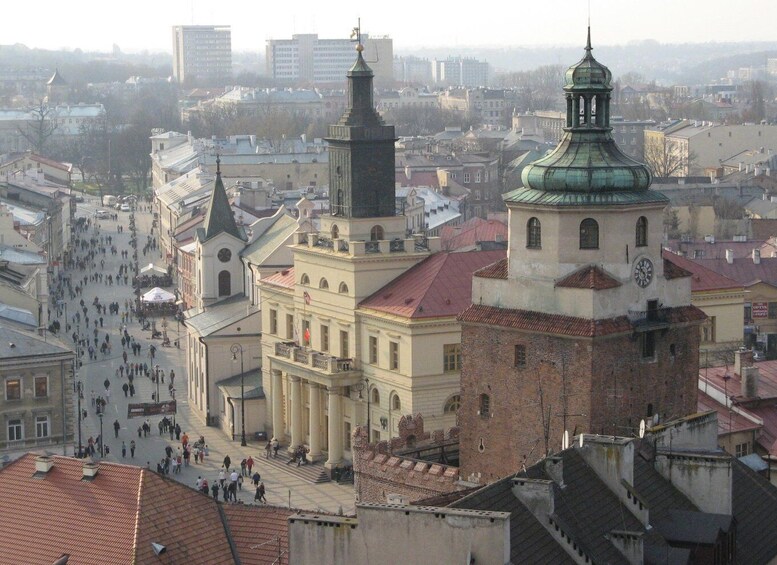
{"x": 79, "y": 198}
{"x": 101, "y": 214}
{"x": 125, "y": 208}
{"x": 758, "y": 355}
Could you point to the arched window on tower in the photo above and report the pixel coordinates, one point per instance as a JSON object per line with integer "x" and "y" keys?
{"x": 375, "y": 397}
{"x": 343, "y": 288}
{"x": 452, "y": 404}
{"x": 485, "y": 406}
{"x": 642, "y": 232}
{"x": 304, "y": 279}
{"x": 589, "y": 234}
{"x": 533, "y": 234}
{"x": 376, "y": 233}
{"x": 323, "y": 284}
{"x": 225, "y": 283}
{"x": 396, "y": 403}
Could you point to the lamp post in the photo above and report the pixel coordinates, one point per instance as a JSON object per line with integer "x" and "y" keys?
{"x": 234, "y": 349}
{"x": 80, "y": 392}
{"x": 102, "y": 439}
{"x": 156, "y": 378}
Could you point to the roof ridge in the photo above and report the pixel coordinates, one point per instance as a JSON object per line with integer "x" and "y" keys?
{"x": 138, "y": 510}
{"x": 228, "y": 533}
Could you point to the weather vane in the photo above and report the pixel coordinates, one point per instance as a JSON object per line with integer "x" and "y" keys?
{"x": 357, "y": 33}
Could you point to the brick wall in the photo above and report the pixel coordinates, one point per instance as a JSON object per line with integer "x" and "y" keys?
{"x": 586, "y": 385}
{"x": 378, "y": 473}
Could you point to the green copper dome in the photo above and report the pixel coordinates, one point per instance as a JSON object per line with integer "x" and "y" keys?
{"x": 586, "y": 161}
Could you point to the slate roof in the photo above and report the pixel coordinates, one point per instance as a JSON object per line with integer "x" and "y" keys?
{"x": 18, "y": 345}
{"x": 438, "y": 286}
{"x": 220, "y": 314}
{"x": 529, "y": 541}
{"x": 220, "y": 218}
{"x": 589, "y": 277}
{"x": 755, "y": 506}
{"x": 702, "y": 278}
{"x": 271, "y": 239}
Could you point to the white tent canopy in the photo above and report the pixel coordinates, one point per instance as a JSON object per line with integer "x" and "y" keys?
{"x": 153, "y": 268}
{"x": 158, "y": 296}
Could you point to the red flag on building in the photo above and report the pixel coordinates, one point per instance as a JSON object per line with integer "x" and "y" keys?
{"x": 307, "y": 335}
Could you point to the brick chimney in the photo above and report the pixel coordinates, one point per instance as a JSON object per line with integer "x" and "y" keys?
{"x": 750, "y": 377}
{"x": 730, "y": 256}
{"x": 742, "y": 359}
{"x": 757, "y": 256}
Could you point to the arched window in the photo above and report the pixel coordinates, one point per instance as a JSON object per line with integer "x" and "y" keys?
{"x": 485, "y": 406}
{"x": 375, "y": 396}
{"x": 335, "y": 231}
{"x": 323, "y": 284}
{"x": 343, "y": 288}
{"x": 533, "y": 234}
{"x": 225, "y": 283}
{"x": 396, "y": 403}
{"x": 589, "y": 234}
{"x": 376, "y": 233}
{"x": 642, "y": 226}
{"x": 452, "y": 404}
{"x": 304, "y": 279}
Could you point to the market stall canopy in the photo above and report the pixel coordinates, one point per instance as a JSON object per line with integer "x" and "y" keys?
{"x": 153, "y": 268}
{"x": 158, "y": 296}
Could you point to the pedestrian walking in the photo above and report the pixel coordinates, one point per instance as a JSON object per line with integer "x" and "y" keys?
{"x": 123, "y": 449}
{"x": 260, "y": 491}
{"x": 256, "y": 478}
{"x": 267, "y": 450}
{"x": 132, "y": 448}
{"x": 227, "y": 462}
{"x": 249, "y": 465}
{"x": 116, "y": 428}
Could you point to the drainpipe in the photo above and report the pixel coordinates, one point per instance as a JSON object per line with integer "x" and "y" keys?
{"x": 207, "y": 384}
{"x": 232, "y": 406}
{"x": 64, "y": 411}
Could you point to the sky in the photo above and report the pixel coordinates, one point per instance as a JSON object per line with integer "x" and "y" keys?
{"x": 138, "y": 25}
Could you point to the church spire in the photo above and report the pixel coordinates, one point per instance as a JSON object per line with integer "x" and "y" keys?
{"x": 219, "y": 217}
{"x": 361, "y": 151}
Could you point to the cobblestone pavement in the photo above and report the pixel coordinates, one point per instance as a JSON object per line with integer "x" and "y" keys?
{"x": 282, "y": 488}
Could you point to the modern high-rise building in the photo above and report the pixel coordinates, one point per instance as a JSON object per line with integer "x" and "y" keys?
{"x": 202, "y": 54}
{"x": 460, "y": 71}
{"x": 309, "y": 60}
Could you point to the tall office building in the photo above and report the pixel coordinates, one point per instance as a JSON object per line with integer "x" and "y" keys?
{"x": 202, "y": 54}
{"x": 306, "y": 59}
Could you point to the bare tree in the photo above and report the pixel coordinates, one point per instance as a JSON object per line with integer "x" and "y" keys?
{"x": 40, "y": 127}
{"x": 664, "y": 157}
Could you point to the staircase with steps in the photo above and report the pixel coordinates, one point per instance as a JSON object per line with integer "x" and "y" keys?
{"x": 314, "y": 473}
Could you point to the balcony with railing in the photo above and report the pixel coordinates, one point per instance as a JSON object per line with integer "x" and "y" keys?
{"x": 311, "y": 364}
{"x": 650, "y": 319}
{"x": 417, "y": 243}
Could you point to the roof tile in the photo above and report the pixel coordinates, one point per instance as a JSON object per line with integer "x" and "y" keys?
{"x": 589, "y": 277}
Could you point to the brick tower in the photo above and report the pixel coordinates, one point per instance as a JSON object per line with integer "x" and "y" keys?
{"x": 583, "y": 327}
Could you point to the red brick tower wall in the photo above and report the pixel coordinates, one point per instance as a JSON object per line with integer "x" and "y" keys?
{"x": 602, "y": 384}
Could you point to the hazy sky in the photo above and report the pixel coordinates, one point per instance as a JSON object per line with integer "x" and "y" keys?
{"x": 137, "y": 25}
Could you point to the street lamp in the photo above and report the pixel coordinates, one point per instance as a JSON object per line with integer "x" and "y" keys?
{"x": 234, "y": 349}
{"x": 102, "y": 439}
{"x": 80, "y": 389}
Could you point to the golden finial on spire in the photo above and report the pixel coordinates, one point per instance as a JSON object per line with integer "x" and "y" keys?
{"x": 357, "y": 35}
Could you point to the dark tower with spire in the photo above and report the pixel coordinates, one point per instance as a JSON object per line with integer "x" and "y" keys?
{"x": 220, "y": 217}
{"x": 361, "y": 153}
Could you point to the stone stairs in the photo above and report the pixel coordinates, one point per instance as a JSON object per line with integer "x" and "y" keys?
{"x": 314, "y": 473}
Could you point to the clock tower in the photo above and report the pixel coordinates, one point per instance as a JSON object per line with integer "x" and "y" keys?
{"x": 583, "y": 327}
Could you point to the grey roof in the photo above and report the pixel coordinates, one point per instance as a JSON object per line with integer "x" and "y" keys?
{"x": 529, "y": 541}
{"x": 659, "y": 494}
{"x": 281, "y": 229}
{"x": 686, "y": 527}
{"x": 252, "y": 385}
{"x": 558, "y": 198}
{"x": 220, "y": 314}
{"x": 20, "y": 256}
{"x": 17, "y": 315}
{"x": 16, "y": 344}
{"x": 220, "y": 218}
{"x": 755, "y": 506}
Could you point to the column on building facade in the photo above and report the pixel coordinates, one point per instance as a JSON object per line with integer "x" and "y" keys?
{"x": 335, "y": 427}
{"x": 277, "y": 404}
{"x": 315, "y": 422}
{"x": 297, "y": 436}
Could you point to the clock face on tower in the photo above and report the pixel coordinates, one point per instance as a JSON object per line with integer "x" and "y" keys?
{"x": 643, "y": 272}
{"x": 224, "y": 255}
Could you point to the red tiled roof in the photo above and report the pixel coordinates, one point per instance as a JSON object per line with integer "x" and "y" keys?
{"x": 767, "y": 382}
{"x": 566, "y": 325}
{"x": 284, "y": 278}
{"x": 744, "y": 271}
{"x": 257, "y": 531}
{"x": 715, "y": 250}
{"x": 702, "y": 278}
{"x": 672, "y": 271}
{"x": 763, "y": 228}
{"x": 472, "y": 232}
{"x": 116, "y": 516}
{"x": 496, "y": 271}
{"x": 591, "y": 277}
{"x": 440, "y": 285}
{"x": 417, "y": 178}
{"x": 768, "y": 413}
{"x": 729, "y": 421}
{"x": 67, "y": 167}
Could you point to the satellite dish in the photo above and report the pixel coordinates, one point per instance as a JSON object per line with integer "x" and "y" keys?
{"x": 642, "y": 428}
{"x": 565, "y": 440}
{"x": 582, "y": 436}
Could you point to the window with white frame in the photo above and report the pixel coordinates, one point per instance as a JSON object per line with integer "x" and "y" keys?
{"x": 477, "y": 176}
{"x": 467, "y": 178}
{"x": 42, "y": 427}
{"x": 15, "y": 430}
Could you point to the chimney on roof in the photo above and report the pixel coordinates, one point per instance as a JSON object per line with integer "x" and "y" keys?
{"x": 730, "y": 256}
{"x": 90, "y": 471}
{"x": 750, "y": 377}
{"x": 43, "y": 464}
{"x": 757, "y": 256}
{"x": 743, "y": 358}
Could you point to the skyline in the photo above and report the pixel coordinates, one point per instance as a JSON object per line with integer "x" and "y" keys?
{"x": 81, "y": 24}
